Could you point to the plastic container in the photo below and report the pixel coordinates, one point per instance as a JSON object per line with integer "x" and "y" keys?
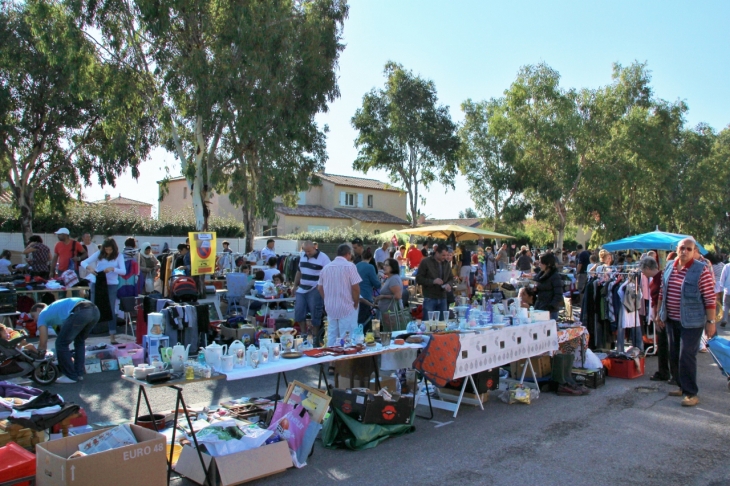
{"x": 259, "y": 286}
{"x": 16, "y": 463}
{"x": 133, "y": 350}
{"x": 625, "y": 368}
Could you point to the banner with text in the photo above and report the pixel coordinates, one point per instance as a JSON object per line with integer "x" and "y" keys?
{"x": 202, "y": 253}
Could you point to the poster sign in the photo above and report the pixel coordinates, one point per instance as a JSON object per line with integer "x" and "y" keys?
{"x": 202, "y": 253}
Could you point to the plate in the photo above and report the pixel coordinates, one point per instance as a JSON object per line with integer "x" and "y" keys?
{"x": 292, "y": 355}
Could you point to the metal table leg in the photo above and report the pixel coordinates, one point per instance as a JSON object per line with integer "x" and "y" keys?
{"x": 323, "y": 374}
{"x": 428, "y": 394}
{"x": 181, "y": 401}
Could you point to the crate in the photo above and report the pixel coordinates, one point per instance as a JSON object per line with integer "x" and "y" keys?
{"x": 8, "y": 300}
{"x": 625, "y": 368}
{"x": 108, "y": 352}
{"x": 16, "y": 463}
{"x": 132, "y": 350}
{"x": 541, "y": 364}
{"x": 590, "y": 378}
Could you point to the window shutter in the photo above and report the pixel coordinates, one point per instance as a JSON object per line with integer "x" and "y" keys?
{"x": 342, "y": 198}
{"x": 359, "y": 200}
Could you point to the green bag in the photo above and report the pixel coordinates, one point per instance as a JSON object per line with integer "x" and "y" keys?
{"x": 342, "y": 432}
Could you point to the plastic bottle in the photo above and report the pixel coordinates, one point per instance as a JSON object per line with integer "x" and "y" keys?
{"x": 201, "y": 358}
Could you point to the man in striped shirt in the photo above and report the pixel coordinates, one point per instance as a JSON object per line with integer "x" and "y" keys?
{"x": 687, "y": 308}
{"x": 308, "y": 299}
{"x": 339, "y": 286}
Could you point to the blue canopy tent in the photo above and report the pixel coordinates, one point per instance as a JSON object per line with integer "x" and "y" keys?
{"x": 655, "y": 240}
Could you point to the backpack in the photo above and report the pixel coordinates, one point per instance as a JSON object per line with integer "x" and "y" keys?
{"x": 183, "y": 289}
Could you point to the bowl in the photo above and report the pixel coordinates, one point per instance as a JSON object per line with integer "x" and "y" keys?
{"x": 176, "y": 450}
{"x": 149, "y": 423}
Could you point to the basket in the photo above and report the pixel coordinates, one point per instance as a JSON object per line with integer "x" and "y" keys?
{"x": 133, "y": 350}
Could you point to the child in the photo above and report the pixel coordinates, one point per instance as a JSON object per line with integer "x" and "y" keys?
{"x": 8, "y": 334}
{"x": 6, "y": 267}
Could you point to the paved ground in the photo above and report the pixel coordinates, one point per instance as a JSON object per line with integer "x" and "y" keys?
{"x": 627, "y": 431}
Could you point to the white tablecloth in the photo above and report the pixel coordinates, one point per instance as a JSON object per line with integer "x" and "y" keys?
{"x": 506, "y": 276}
{"x": 284, "y": 365}
{"x": 494, "y": 348}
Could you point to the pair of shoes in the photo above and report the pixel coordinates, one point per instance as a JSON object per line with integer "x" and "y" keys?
{"x": 658, "y": 377}
{"x": 568, "y": 390}
{"x": 675, "y": 393}
{"x": 690, "y": 400}
{"x": 65, "y": 380}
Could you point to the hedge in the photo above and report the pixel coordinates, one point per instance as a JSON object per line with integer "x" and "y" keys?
{"x": 106, "y": 219}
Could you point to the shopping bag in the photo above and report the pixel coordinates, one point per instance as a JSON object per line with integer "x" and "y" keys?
{"x": 292, "y": 425}
{"x": 69, "y": 278}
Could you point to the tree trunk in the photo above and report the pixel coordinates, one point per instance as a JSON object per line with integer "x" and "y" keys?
{"x": 249, "y": 223}
{"x": 24, "y": 199}
{"x": 199, "y": 184}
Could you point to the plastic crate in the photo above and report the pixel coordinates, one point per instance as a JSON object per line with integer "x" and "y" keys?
{"x": 108, "y": 352}
{"x": 16, "y": 463}
{"x": 133, "y": 350}
{"x": 590, "y": 378}
{"x": 625, "y": 368}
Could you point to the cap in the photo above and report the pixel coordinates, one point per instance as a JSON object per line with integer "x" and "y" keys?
{"x": 356, "y": 241}
{"x": 225, "y": 242}
{"x": 63, "y": 231}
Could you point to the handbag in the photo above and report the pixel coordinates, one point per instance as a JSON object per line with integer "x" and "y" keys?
{"x": 395, "y": 318}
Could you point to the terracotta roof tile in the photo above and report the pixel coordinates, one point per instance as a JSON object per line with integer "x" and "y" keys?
{"x": 370, "y": 216}
{"x": 122, "y": 200}
{"x": 6, "y": 197}
{"x": 310, "y": 211}
{"x": 360, "y": 182}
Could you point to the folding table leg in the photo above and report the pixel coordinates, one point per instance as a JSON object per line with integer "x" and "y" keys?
{"x": 474, "y": 386}
{"x": 377, "y": 373}
{"x": 428, "y": 394}
{"x": 323, "y": 374}
{"x": 461, "y": 396}
{"x": 181, "y": 400}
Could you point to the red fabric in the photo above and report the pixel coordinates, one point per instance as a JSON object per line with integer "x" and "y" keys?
{"x": 141, "y": 329}
{"x": 654, "y": 289}
{"x": 438, "y": 361}
{"x": 414, "y": 257}
{"x": 65, "y": 252}
{"x": 674, "y": 290}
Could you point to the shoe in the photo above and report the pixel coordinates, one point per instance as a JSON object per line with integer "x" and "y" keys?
{"x": 65, "y": 380}
{"x": 568, "y": 391}
{"x": 113, "y": 341}
{"x": 658, "y": 377}
{"x": 676, "y": 393}
{"x": 690, "y": 401}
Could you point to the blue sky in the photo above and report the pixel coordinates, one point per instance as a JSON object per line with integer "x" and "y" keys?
{"x": 473, "y": 49}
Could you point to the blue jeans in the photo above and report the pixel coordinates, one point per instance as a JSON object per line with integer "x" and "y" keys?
{"x": 75, "y": 329}
{"x": 112, "y": 302}
{"x": 684, "y": 343}
{"x": 554, "y": 315}
{"x": 433, "y": 305}
{"x": 310, "y": 302}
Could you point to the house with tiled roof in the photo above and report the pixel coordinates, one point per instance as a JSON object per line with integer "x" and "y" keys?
{"x": 335, "y": 201}
{"x": 470, "y": 222}
{"x": 124, "y": 203}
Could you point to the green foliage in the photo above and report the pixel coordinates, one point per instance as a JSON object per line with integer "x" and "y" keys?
{"x": 67, "y": 116}
{"x": 403, "y": 130}
{"x": 487, "y": 159}
{"x": 468, "y": 213}
{"x": 107, "y": 219}
{"x": 344, "y": 235}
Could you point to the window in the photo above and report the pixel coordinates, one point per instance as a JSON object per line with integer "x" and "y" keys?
{"x": 350, "y": 199}
{"x": 370, "y": 200}
{"x": 302, "y": 198}
{"x": 313, "y": 227}
{"x": 270, "y": 231}
{"x": 185, "y": 192}
{"x": 376, "y": 232}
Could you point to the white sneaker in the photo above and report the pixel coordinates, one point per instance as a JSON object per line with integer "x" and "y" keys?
{"x": 65, "y": 380}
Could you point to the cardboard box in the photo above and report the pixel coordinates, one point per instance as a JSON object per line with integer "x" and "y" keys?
{"x": 450, "y": 395}
{"x": 141, "y": 463}
{"x": 237, "y": 468}
{"x": 541, "y": 364}
{"x": 484, "y": 380}
{"x": 246, "y": 336}
{"x": 368, "y": 408}
{"x": 385, "y": 382}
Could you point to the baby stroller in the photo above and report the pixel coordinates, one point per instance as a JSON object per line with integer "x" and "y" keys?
{"x": 16, "y": 362}
{"x": 720, "y": 351}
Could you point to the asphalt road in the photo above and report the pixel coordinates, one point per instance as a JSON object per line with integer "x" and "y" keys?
{"x": 625, "y": 432}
